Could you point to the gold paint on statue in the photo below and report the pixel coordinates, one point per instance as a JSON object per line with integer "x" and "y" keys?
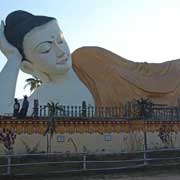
{"x": 114, "y": 80}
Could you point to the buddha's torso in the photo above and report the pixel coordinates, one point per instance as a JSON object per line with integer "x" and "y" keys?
{"x": 69, "y": 92}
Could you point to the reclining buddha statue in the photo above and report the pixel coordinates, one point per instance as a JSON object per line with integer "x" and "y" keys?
{"x": 36, "y": 45}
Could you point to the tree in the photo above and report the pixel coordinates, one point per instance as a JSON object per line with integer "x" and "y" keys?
{"x": 144, "y": 107}
{"x": 33, "y": 82}
{"x": 53, "y": 108}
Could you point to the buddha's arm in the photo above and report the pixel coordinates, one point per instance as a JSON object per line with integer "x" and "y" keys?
{"x": 8, "y": 76}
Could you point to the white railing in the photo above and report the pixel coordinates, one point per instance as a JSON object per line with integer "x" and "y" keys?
{"x": 17, "y": 164}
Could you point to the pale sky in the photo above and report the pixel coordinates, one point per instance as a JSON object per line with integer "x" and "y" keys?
{"x": 139, "y": 30}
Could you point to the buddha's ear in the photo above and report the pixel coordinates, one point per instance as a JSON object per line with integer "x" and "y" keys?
{"x": 27, "y": 67}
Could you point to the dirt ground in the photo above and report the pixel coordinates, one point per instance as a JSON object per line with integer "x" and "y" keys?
{"x": 156, "y": 177}
{"x": 167, "y": 174}
{"x": 162, "y": 176}
{"x": 155, "y": 174}
{"x": 123, "y": 177}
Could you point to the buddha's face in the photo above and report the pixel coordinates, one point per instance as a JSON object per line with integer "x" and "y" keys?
{"x": 47, "y": 50}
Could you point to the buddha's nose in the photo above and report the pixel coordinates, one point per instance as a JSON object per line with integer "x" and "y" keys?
{"x": 58, "y": 50}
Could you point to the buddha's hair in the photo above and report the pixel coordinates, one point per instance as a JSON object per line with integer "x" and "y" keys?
{"x": 18, "y": 24}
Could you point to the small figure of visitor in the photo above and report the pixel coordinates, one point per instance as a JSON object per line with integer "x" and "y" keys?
{"x": 36, "y": 108}
{"x": 84, "y": 109}
{"x": 16, "y": 107}
{"x": 24, "y": 108}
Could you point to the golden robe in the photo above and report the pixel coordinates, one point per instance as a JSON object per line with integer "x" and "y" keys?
{"x": 114, "y": 80}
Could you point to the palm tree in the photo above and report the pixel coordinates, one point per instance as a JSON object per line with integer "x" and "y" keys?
{"x": 144, "y": 107}
{"x": 53, "y": 108}
{"x": 33, "y": 82}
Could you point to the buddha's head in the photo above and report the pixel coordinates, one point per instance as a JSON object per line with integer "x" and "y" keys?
{"x": 41, "y": 43}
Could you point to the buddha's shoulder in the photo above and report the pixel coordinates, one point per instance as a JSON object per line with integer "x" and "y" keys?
{"x": 92, "y": 56}
{"x": 96, "y": 56}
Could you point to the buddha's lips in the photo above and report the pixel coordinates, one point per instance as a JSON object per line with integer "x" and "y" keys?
{"x": 62, "y": 61}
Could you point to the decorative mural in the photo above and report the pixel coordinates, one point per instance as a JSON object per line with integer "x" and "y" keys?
{"x": 7, "y": 138}
{"x": 31, "y": 126}
{"x": 73, "y": 135}
{"x": 166, "y": 134}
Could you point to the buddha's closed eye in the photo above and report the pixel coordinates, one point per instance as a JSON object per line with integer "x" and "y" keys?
{"x": 44, "y": 47}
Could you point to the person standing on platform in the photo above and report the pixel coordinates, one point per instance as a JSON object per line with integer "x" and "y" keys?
{"x": 16, "y": 107}
{"x": 24, "y": 108}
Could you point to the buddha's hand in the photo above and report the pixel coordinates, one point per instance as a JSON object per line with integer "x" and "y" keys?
{"x": 7, "y": 49}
